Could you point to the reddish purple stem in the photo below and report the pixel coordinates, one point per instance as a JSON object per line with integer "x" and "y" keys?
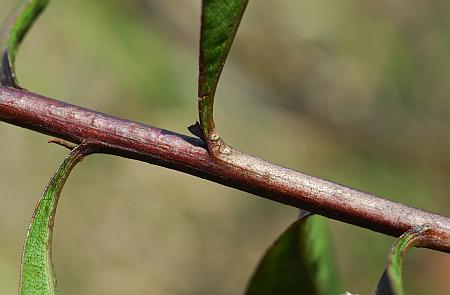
{"x": 133, "y": 140}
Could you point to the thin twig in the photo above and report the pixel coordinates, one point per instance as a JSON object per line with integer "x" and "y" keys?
{"x": 116, "y": 136}
{"x": 63, "y": 143}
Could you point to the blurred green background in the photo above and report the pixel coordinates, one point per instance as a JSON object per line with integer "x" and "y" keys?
{"x": 353, "y": 91}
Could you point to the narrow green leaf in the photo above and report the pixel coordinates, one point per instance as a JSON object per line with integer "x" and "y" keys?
{"x": 391, "y": 282}
{"x": 220, "y": 21}
{"x": 13, "y": 31}
{"x": 301, "y": 261}
{"x": 36, "y": 273}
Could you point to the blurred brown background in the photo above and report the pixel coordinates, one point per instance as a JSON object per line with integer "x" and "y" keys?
{"x": 353, "y": 91}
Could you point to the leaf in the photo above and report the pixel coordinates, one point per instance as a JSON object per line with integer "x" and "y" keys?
{"x": 220, "y": 21}
{"x": 13, "y": 32}
{"x": 391, "y": 282}
{"x": 299, "y": 262}
{"x": 36, "y": 272}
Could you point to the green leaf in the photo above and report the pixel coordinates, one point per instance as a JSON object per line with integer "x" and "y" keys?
{"x": 220, "y": 21}
{"x": 391, "y": 282}
{"x": 301, "y": 261}
{"x": 13, "y": 31}
{"x": 36, "y": 273}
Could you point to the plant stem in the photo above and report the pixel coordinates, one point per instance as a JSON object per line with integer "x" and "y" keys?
{"x": 233, "y": 168}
